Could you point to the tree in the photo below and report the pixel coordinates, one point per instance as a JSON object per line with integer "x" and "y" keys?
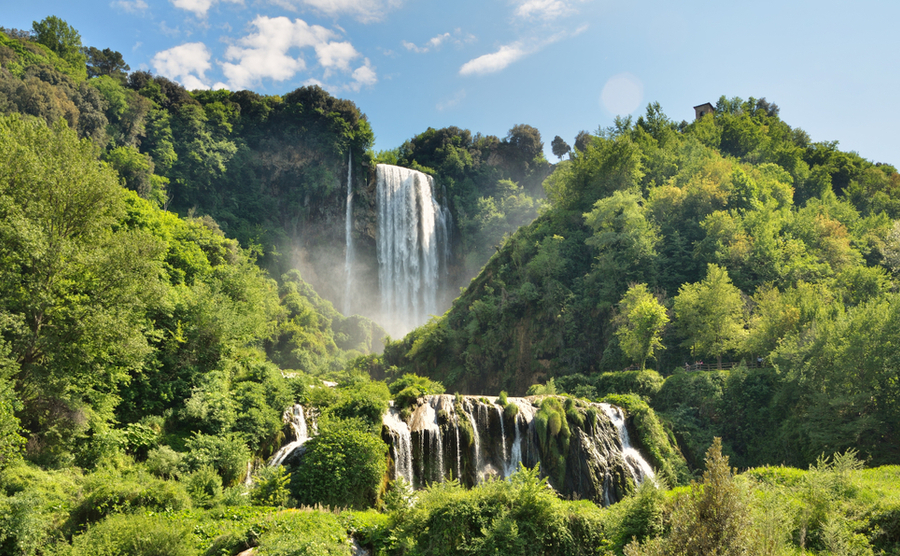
{"x": 74, "y": 283}
{"x": 640, "y": 323}
{"x": 710, "y": 314}
{"x": 560, "y": 147}
{"x": 105, "y": 62}
{"x": 527, "y": 139}
{"x": 582, "y": 141}
{"x": 713, "y": 518}
{"x": 626, "y": 243}
{"x": 61, "y": 38}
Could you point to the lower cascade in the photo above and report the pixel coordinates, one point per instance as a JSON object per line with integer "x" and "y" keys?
{"x": 583, "y": 448}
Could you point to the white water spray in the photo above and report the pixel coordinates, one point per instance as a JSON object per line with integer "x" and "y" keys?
{"x": 295, "y": 417}
{"x": 640, "y": 469}
{"x": 348, "y": 228}
{"x": 411, "y": 246}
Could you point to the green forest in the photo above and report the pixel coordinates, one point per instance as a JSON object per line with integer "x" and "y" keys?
{"x": 731, "y": 283}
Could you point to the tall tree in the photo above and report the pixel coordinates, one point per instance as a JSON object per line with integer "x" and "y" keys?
{"x": 73, "y": 284}
{"x": 640, "y": 323}
{"x": 60, "y": 37}
{"x": 560, "y": 147}
{"x": 710, "y": 314}
{"x": 105, "y": 62}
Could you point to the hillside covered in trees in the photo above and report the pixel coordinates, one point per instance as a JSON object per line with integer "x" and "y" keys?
{"x": 154, "y": 327}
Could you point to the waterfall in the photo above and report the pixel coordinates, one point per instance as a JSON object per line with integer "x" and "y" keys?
{"x": 502, "y": 435}
{"x": 297, "y": 420}
{"x": 412, "y": 246}
{"x": 516, "y": 457}
{"x": 401, "y": 441}
{"x": 637, "y": 465}
{"x": 348, "y": 228}
{"x": 467, "y": 409}
{"x": 600, "y": 463}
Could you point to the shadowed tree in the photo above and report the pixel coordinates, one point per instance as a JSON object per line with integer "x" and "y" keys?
{"x": 560, "y": 147}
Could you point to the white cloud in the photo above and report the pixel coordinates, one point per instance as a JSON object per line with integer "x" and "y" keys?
{"x": 131, "y": 6}
{"x": 186, "y": 63}
{"x": 507, "y": 54}
{"x": 267, "y": 53}
{"x": 364, "y": 76}
{"x": 198, "y": 7}
{"x": 542, "y": 9}
{"x": 336, "y": 55}
{"x": 457, "y": 37}
{"x": 494, "y": 62}
{"x": 366, "y": 11}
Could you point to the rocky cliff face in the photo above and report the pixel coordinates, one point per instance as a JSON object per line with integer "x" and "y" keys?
{"x": 578, "y": 445}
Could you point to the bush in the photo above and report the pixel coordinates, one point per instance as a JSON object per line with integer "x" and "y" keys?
{"x": 302, "y": 533}
{"x": 367, "y": 401}
{"x": 136, "y": 535}
{"x": 107, "y": 492}
{"x": 163, "y": 462}
{"x": 343, "y": 466}
{"x": 204, "y": 485}
{"x": 408, "y": 388}
{"x": 270, "y": 486}
{"x": 226, "y": 454}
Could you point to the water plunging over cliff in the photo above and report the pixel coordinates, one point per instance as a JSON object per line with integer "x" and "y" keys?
{"x": 473, "y": 438}
{"x": 412, "y": 247}
{"x": 348, "y": 239}
{"x": 295, "y": 417}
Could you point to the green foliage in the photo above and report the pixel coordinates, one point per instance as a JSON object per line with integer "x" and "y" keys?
{"x": 227, "y": 455}
{"x": 108, "y": 492}
{"x": 342, "y": 466}
{"x": 270, "y": 486}
{"x": 710, "y": 314}
{"x": 642, "y": 319}
{"x": 409, "y": 387}
{"x": 712, "y": 518}
{"x": 138, "y": 535}
{"x": 519, "y": 516}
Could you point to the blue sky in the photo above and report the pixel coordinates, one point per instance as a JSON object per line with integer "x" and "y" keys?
{"x": 559, "y": 65}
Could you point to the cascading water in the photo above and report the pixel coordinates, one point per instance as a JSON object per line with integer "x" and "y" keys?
{"x": 412, "y": 246}
{"x": 348, "y": 228}
{"x": 401, "y": 443}
{"x": 599, "y": 463}
{"x": 467, "y": 409}
{"x": 294, "y": 416}
{"x": 640, "y": 469}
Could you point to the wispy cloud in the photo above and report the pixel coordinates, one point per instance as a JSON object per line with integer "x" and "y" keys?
{"x": 186, "y": 63}
{"x": 495, "y": 61}
{"x": 366, "y": 11}
{"x": 452, "y": 101}
{"x": 457, "y": 37}
{"x": 513, "y": 52}
{"x": 546, "y": 10}
{"x": 198, "y": 7}
{"x": 130, "y": 6}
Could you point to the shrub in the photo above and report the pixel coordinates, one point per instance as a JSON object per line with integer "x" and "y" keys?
{"x": 270, "y": 486}
{"x": 342, "y": 467}
{"x": 226, "y": 454}
{"x": 408, "y": 388}
{"x": 107, "y": 492}
{"x": 204, "y": 485}
{"x": 163, "y": 462}
{"x": 136, "y": 535}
